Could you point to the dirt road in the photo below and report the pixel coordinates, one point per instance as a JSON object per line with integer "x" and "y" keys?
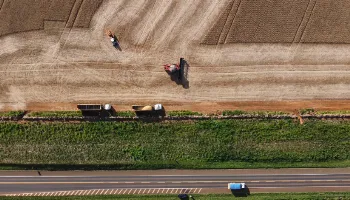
{"x": 69, "y": 65}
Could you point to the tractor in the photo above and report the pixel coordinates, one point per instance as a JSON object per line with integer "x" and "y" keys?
{"x": 171, "y": 68}
{"x": 175, "y": 69}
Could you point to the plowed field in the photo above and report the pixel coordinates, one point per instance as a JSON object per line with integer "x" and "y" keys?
{"x": 27, "y": 15}
{"x": 281, "y": 21}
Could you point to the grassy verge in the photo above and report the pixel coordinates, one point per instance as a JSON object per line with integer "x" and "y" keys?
{"x": 125, "y": 114}
{"x": 338, "y": 112}
{"x": 183, "y": 113}
{"x": 175, "y": 165}
{"x": 198, "y": 144}
{"x": 256, "y": 113}
{"x": 12, "y": 114}
{"x": 61, "y": 114}
{"x": 262, "y": 196}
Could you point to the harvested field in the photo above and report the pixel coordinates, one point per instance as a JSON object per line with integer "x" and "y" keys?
{"x": 70, "y": 65}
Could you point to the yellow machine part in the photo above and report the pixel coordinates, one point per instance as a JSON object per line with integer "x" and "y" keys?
{"x": 147, "y": 108}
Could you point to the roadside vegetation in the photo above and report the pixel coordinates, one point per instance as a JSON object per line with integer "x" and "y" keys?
{"x": 59, "y": 114}
{"x": 12, "y": 114}
{"x": 256, "y": 196}
{"x": 193, "y": 144}
{"x": 183, "y": 113}
{"x": 125, "y": 114}
{"x": 52, "y": 115}
{"x": 256, "y": 113}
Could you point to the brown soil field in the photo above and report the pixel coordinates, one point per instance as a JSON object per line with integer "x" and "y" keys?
{"x": 329, "y": 23}
{"x": 281, "y": 21}
{"x": 28, "y": 15}
{"x": 64, "y": 66}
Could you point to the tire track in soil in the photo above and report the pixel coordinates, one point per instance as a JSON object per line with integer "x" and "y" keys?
{"x": 302, "y": 27}
{"x": 70, "y": 24}
{"x": 227, "y": 28}
{"x": 213, "y": 36}
{"x": 74, "y": 13}
{"x": 304, "y": 22}
{"x": 1, "y": 3}
{"x": 147, "y": 25}
{"x": 172, "y": 16}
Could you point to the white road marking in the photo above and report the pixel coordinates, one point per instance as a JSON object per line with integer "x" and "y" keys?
{"x": 199, "y": 190}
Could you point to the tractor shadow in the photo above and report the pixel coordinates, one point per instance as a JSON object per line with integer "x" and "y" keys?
{"x": 181, "y": 76}
{"x": 241, "y": 193}
{"x": 116, "y": 44}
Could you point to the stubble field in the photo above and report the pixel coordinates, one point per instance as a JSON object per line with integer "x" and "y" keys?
{"x": 253, "y": 56}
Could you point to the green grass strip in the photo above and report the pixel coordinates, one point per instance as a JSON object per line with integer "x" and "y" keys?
{"x": 61, "y": 114}
{"x": 183, "y": 113}
{"x": 12, "y": 114}
{"x": 197, "y": 144}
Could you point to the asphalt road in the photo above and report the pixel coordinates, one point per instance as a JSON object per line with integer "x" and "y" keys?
{"x": 22, "y": 184}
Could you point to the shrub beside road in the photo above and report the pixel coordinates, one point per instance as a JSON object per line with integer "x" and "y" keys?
{"x": 194, "y": 144}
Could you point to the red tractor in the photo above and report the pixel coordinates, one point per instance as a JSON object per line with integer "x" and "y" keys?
{"x": 171, "y": 68}
{"x": 175, "y": 69}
